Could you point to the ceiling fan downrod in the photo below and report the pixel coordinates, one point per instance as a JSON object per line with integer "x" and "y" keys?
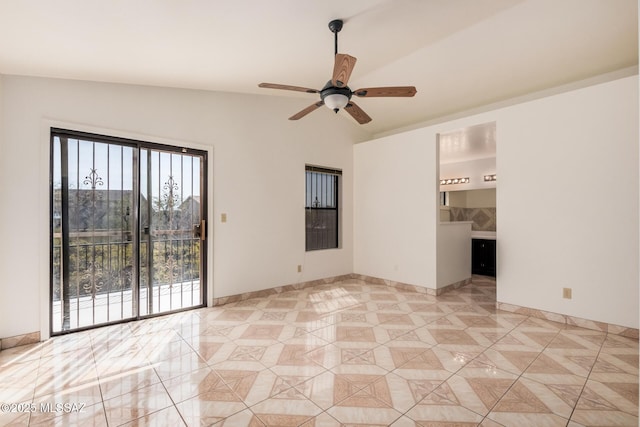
{"x": 335, "y": 26}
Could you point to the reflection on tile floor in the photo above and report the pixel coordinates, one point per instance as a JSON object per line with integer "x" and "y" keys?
{"x": 349, "y": 353}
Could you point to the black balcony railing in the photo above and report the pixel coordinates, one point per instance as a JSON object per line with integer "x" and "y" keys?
{"x": 99, "y": 267}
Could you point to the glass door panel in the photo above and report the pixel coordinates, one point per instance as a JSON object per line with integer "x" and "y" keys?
{"x": 92, "y": 245}
{"x": 170, "y": 248}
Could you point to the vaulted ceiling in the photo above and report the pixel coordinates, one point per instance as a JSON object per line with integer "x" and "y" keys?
{"x": 460, "y": 54}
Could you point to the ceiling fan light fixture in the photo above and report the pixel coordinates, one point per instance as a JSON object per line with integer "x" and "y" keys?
{"x": 336, "y": 101}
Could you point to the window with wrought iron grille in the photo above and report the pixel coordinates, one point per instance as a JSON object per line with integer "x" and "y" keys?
{"x": 321, "y": 208}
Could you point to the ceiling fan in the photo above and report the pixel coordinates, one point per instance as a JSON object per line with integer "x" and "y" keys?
{"x": 336, "y": 94}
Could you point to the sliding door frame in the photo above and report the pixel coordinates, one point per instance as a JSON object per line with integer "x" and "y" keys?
{"x": 138, "y": 146}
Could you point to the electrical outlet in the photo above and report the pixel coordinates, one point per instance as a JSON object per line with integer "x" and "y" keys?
{"x": 299, "y": 268}
{"x": 566, "y": 293}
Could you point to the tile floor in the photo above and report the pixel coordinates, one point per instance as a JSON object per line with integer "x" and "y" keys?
{"x": 346, "y": 354}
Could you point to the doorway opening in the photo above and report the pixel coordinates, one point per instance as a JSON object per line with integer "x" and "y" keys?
{"x": 127, "y": 230}
{"x": 467, "y": 172}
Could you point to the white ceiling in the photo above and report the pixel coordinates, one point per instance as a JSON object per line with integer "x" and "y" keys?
{"x": 460, "y": 54}
{"x": 470, "y": 143}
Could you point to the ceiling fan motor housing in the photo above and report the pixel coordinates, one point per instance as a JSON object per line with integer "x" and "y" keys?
{"x": 330, "y": 89}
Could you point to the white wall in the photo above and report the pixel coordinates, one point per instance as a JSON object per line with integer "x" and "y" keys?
{"x": 485, "y": 198}
{"x": 396, "y": 202}
{"x": 481, "y": 198}
{"x": 454, "y": 253}
{"x": 564, "y": 162}
{"x": 257, "y": 158}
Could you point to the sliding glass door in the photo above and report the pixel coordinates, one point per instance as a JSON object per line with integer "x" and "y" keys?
{"x": 127, "y": 230}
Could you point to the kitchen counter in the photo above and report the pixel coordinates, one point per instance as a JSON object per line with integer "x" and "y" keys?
{"x": 487, "y": 235}
{"x": 455, "y": 222}
{"x": 453, "y": 253}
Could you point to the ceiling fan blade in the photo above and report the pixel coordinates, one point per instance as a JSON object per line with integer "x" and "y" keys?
{"x": 342, "y": 69}
{"x": 388, "y": 91}
{"x": 287, "y": 87}
{"x": 357, "y": 113}
{"x": 306, "y": 111}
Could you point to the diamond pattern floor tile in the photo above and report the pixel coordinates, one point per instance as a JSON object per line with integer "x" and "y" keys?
{"x": 342, "y": 354}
